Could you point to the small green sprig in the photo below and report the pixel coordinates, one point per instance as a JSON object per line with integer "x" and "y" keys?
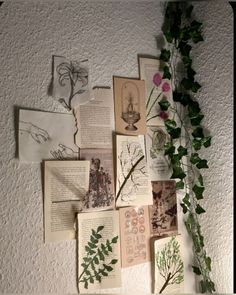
{"x": 181, "y": 33}
{"x": 94, "y": 263}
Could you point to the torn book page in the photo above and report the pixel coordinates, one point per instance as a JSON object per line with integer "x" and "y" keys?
{"x": 95, "y": 120}
{"x": 65, "y": 187}
{"x": 71, "y": 82}
{"x": 46, "y": 135}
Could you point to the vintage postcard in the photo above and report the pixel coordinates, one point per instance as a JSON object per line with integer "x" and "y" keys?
{"x": 101, "y": 194}
{"x": 45, "y": 135}
{"x": 169, "y": 265}
{"x": 98, "y": 238}
{"x": 95, "y": 120}
{"x": 135, "y": 235}
{"x": 65, "y": 187}
{"x": 157, "y": 89}
{"x": 163, "y": 212}
{"x": 70, "y": 81}
{"x": 129, "y": 98}
{"x": 133, "y": 186}
{"x": 158, "y": 164}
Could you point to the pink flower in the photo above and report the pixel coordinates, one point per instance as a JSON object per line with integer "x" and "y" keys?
{"x": 165, "y": 87}
{"x": 163, "y": 115}
{"x": 157, "y": 79}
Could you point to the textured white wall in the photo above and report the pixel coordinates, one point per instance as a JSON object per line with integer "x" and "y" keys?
{"x": 110, "y": 34}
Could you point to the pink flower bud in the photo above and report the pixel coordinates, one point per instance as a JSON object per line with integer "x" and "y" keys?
{"x": 157, "y": 79}
{"x": 165, "y": 87}
{"x": 163, "y": 115}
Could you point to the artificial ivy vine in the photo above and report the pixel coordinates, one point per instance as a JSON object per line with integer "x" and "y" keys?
{"x": 187, "y": 135}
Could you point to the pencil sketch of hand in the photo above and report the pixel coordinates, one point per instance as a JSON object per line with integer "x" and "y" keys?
{"x": 38, "y": 134}
{"x": 64, "y": 152}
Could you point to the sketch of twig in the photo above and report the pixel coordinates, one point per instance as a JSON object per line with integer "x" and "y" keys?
{"x": 64, "y": 152}
{"x": 77, "y": 77}
{"x": 170, "y": 264}
{"x": 129, "y": 160}
{"x": 38, "y": 134}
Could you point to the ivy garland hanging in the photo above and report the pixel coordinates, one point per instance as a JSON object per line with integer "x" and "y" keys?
{"x": 181, "y": 31}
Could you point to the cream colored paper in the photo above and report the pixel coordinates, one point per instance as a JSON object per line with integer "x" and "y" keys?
{"x": 163, "y": 212}
{"x": 158, "y": 164}
{"x": 161, "y": 275}
{"x": 129, "y": 97}
{"x": 135, "y": 235}
{"x": 87, "y": 222}
{"x": 101, "y": 193}
{"x": 95, "y": 120}
{"x": 46, "y": 135}
{"x": 148, "y": 67}
{"x": 65, "y": 186}
{"x": 133, "y": 186}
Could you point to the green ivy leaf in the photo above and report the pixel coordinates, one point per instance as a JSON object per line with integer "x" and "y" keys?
{"x": 165, "y": 55}
{"x": 196, "y": 120}
{"x": 194, "y": 159}
{"x": 197, "y": 144}
{"x": 202, "y": 164}
{"x": 186, "y": 83}
{"x": 196, "y": 270}
{"x": 184, "y": 48}
{"x": 186, "y": 200}
{"x": 199, "y": 209}
{"x": 166, "y": 73}
{"x": 200, "y": 179}
{"x": 206, "y": 141}
{"x": 198, "y": 191}
{"x": 169, "y": 148}
{"x": 208, "y": 263}
{"x": 195, "y": 87}
{"x": 196, "y": 36}
{"x": 178, "y": 172}
{"x": 164, "y": 104}
{"x": 190, "y": 73}
{"x": 187, "y": 61}
{"x": 193, "y": 109}
{"x": 185, "y": 209}
{"x": 170, "y": 124}
{"x": 169, "y": 36}
{"x": 182, "y": 98}
{"x": 179, "y": 185}
{"x": 182, "y": 151}
{"x": 198, "y": 133}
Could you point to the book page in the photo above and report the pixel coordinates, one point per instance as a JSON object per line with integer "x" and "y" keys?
{"x": 169, "y": 251}
{"x": 133, "y": 187}
{"x": 135, "y": 235}
{"x": 159, "y": 167}
{"x": 157, "y": 88}
{"x": 163, "y": 212}
{"x": 91, "y": 264}
{"x": 129, "y": 98}
{"x": 45, "y": 135}
{"x": 65, "y": 187}
{"x": 95, "y": 120}
{"x": 101, "y": 193}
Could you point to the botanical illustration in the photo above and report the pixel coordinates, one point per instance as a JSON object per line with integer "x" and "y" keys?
{"x": 158, "y": 162}
{"x": 158, "y": 90}
{"x": 132, "y": 176}
{"x": 70, "y": 79}
{"x": 96, "y": 264}
{"x": 129, "y": 98}
{"x": 163, "y": 212}
{"x": 169, "y": 266}
{"x": 101, "y": 188}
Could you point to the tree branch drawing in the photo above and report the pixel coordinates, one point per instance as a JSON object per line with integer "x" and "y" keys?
{"x": 77, "y": 77}
{"x": 94, "y": 263}
{"x": 170, "y": 264}
{"x": 129, "y": 159}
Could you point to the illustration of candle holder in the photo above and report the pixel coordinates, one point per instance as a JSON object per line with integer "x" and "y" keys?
{"x": 130, "y": 105}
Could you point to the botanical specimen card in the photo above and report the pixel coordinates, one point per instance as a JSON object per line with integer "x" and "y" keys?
{"x": 169, "y": 267}
{"x": 101, "y": 194}
{"x": 70, "y": 81}
{"x": 158, "y": 165}
{"x": 133, "y": 186}
{"x": 98, "y": 241}
{"x": 95, "y": 120}
{"x": 158, "y": 90}
{"x": 129, "y": 97}
{"x": 135, "y": 235}
{"x": 46, "y": 135}
{"x": 65, "y": 186}
{"x": 163, "y": 212}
